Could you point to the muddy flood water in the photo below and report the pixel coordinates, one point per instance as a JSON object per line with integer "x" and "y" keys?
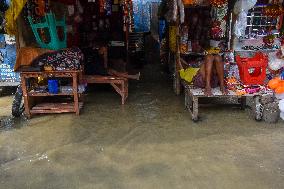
{"x": 150, "y": 142}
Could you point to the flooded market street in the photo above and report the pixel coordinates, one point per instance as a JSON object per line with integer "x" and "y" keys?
{"x": 150, "y": 142}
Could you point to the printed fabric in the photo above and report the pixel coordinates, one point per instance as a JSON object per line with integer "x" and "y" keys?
{"x": 66, "y": 59}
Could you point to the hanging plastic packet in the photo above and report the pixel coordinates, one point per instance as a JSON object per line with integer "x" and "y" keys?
{"x": 184, "y": 40}
{"x": 282, "y": 75}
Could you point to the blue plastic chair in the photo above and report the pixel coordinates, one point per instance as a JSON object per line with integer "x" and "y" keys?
{"x": 51, "y": 25}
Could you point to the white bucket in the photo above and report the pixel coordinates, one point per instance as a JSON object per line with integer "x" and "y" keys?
{"x": 282, "y": 115}
{"x": 281, "y": 105}
{"x": 279, "y": 96}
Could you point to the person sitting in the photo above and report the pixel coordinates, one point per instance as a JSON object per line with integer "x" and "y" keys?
{"x": 208, "y": 76}
{"x": 103, "y": 66}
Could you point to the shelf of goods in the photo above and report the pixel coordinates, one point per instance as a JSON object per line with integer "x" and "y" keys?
{"x": 68, "y": 102}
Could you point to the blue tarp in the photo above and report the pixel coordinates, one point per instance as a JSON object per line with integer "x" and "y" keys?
{"x": 7, "y": 61}
{"x": 142, "y": 16}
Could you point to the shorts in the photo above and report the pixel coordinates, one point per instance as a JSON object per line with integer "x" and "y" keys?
{"x": 199, "y": 82}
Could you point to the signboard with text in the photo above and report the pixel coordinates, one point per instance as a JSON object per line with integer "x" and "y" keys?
{"x": 7, "y": 61}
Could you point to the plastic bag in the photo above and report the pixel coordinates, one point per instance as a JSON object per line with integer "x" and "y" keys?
{"x": 244, "y": 5}
{"x": 281, "y": 105}
{"x": 181, "y": 10}
{"x": 241, "y": 24}
{"x": 188, "y": 74}
{"x": 274, "y": 62}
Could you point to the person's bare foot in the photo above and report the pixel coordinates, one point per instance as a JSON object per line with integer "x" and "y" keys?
{"x": 138, "y": 76}
{"x": 223, "y": 90}
{"x": 208, "y": 91}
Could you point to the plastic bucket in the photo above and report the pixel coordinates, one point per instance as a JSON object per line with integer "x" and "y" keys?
{"x": 53, "y": 86}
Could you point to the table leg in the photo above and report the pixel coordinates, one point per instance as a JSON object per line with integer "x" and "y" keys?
{"x": 75, "y": 92}
{"x": 188, "y": 99}
{"x": 243, "y": 102}
{"x": 195, "y": 108}
{"x": 258, "y": 108}
{"x": 26, "y": 98}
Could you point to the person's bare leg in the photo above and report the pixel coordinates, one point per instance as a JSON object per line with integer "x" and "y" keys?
{"x": 208, "y": 61}
{"x": 202, "y": 71}
{"x": 124, "y": 74}
{"x": 219, "y": 65}
{"x": 103, "y": 52}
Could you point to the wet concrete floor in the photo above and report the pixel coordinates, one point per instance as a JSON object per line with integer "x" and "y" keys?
{"x": 150, "y": 142}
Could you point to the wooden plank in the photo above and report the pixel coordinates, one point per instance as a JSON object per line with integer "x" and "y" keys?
{"x": 52, "y": 111}
{"x": 49, "y": 94}
{"x": 55, "y": 107}
{"x": 26, "y": 99}
{"x": 103, "y": 79}
{"x": 75, "y": 92}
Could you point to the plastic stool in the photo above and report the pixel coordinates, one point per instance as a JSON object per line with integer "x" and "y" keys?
{"x": 51, "y": 24}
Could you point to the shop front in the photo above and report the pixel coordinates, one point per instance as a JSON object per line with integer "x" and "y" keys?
{"x": 226, "y": 49}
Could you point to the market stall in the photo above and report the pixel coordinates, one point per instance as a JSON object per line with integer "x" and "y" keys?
{"x": 52, "y": 39}
{"x": 246, "y": 34}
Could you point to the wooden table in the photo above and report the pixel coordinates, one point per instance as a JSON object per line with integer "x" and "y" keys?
{"x": 32, "y": 107}
{"x": 192, "y": 96}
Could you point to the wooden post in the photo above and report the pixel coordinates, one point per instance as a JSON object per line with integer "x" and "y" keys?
{"x": 25, "y": 94}
{"x": 177, "y": 59}
{"x": 75, "y": 92}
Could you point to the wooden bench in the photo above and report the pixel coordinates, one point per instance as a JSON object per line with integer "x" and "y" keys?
{"x": 193, "y": 94}
{"x": 118, "y": 83}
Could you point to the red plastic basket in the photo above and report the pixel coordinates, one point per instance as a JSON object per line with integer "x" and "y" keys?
{"x": 253, "y": 70}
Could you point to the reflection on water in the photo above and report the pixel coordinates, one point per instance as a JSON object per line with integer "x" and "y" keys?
{"x": 150, "y": 142}
{"x": 9, "y": 122}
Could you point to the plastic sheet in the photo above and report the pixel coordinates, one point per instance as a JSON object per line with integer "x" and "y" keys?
{"x": 281, "y": 105}
{"x": 274, "y": 62}
{"x": 282, "y": 115}
{"x": 244, "y": 5}
{"x": 241, "y": 24}
{"x": 181, "y": 10}
{"x": 241, "y": 9}
{"x": 141, "y": 14}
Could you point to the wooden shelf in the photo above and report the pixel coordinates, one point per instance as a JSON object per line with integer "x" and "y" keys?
{"x": 54, "y": 108}
{"x": 32, "y": 105}
{"x": 262, "y": 50}
{"x": 49, "y": 94}
{"x": 67, "y": 73}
